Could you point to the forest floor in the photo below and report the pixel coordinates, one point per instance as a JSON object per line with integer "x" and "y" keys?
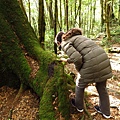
{"x": 26, "y": 108}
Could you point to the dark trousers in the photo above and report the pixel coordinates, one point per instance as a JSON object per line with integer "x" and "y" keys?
{"x": 103, "y": 96}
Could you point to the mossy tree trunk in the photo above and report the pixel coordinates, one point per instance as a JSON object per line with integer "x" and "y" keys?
{"x": 22, "y": 58}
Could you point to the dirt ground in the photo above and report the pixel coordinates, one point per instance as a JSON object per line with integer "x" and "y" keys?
{"x": 26, "y": 108}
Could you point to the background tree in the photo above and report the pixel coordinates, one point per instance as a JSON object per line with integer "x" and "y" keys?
{"x": 41, "y": 23}
{"x": 102, "y": 19}
{"x": 60, "y": 15}
{"x": 22, "y": 7}
{"x": 119, "y": 12}
{"x": 55, "y": 24}
{"x": 75, "y": 16}
{"x": 94, "y": 16}
{"x": 107, "y": 18}
{"x": 66, "y": 18}
{"x": 29, "y": 6}
{"x": 80, "y": 13}
{"x": 49, "y": 4}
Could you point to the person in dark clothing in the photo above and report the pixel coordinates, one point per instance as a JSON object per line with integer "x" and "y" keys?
{"x": 92, "y": 64}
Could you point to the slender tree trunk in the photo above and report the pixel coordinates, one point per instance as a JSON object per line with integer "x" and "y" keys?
{"x": 55, "y": 25}
{"x": 102, "y": 20}
{"x": 22, "y": 7}
{"x": 61, "y": 15}
{"x": 80, "y": 13}
{"x": 41, "y": 23}
{"x": 88, "y": 18}
{"x": 51, "y": 18}
{"x": 108, "y": 21}
{"x": 67, "y": 15}
{"x": 119, "y": 12}
{"x": 70, "y": 16}
{"x": 84, "y": 23}
{"x": 64, "y": 3}
{"x": 93, "y": 19}
{"x": 29, "y": 7}
{"x": 56, "y": 18}
{"x": 75, "y": 13}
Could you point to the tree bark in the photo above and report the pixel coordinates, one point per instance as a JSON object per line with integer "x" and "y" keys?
{"x": 49, "y": 5}
{"x": 119, "y": 12}
{"x": 80, "y": 13}
{"x": 61, "y": 18}
{"x": 22, "y": 6}
{"x": 108, "y": 20}
{"x": 41, "y": 24}
{"x": 55, "y": 24}
{"x": 66, "y": 13}
{"x": 102, "y": 19}
{"x": 22, "y": 57}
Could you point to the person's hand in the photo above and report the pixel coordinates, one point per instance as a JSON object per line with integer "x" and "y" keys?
{"x": 63, "y": 59}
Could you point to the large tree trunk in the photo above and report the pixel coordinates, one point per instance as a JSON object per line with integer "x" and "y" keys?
{"x": 27, "y": 63}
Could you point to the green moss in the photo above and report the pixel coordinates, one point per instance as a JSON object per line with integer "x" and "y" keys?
{"x": 64, "y": 105}
{"x": 62, "y": 90}
{"x": 70, "y": 79}
{"x": 57, "y": 84}
{"x": 38, "y": 83}
{"x": 47, "y": 111}
{"x": 11, "y": 53}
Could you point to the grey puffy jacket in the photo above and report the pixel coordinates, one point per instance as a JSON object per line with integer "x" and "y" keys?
{"x": 90, "y": 60}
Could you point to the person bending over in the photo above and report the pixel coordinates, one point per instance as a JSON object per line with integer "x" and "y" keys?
{"x": 92, "y": 64}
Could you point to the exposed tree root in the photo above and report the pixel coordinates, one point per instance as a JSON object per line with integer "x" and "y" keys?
{"x": 21, "y": 90}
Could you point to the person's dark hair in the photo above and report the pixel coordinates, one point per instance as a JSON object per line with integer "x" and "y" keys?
{"x": 59, "y": 36}
{"x": 72, "y": 32}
